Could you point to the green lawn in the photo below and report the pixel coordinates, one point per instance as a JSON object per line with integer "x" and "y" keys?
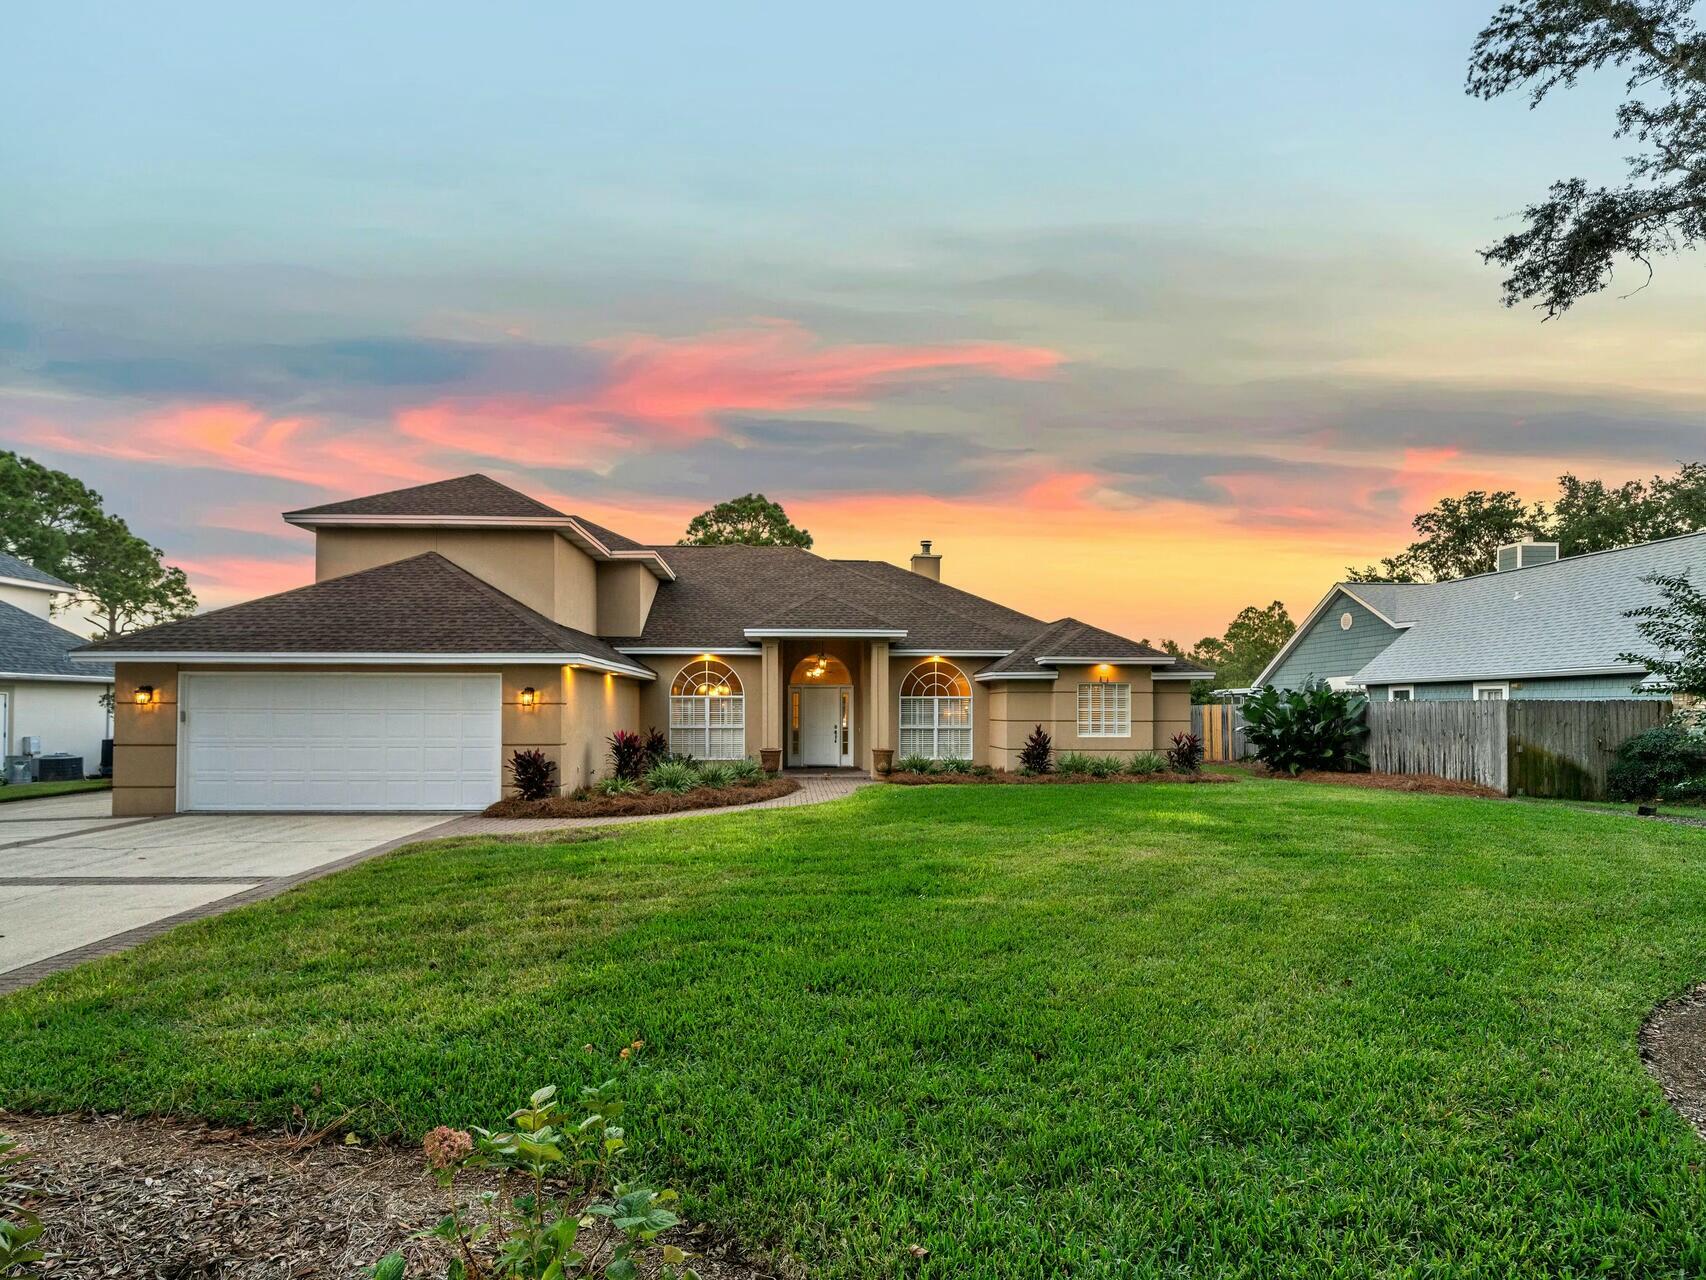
{"x": 1263, "y": 1029}
{"x": 36, "y": 790}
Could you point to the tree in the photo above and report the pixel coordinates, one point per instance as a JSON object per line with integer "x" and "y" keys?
{"x": 1574, "y": 238}
{"x": 1460, "y": 536}
{"x": 61, "y": 526}
{"x": 752, "y": 521}
{"x": 1676, "y": 627}
{"x": 1463, "y": 535}
{"x": 1250, "y": 643}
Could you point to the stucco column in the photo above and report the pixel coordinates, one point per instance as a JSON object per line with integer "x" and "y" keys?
{"x": 773, "y": 695}
{"x": 882, "y": 714}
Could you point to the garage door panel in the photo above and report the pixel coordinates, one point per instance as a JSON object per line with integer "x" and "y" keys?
{"x": 342, "y": 741}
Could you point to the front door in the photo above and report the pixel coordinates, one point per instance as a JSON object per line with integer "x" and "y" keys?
{"x": 824, "y": 727}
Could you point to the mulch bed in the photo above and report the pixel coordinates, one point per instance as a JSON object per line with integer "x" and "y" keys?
{"x": 643, "y": 802}
{"x": 1673, "y": 1045}
{"x": 1422, "y": 783}
{"x": 999, "y": 778}
{"x": 164, "y": 1200}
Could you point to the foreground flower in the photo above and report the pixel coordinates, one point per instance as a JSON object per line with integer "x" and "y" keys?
{"x": 446, "y": 1147}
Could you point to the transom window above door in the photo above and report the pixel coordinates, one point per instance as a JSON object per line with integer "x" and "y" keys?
{"x": 935, "y": 712}
{"x": 707, "y": 711}
{"x": 820, "y": 668}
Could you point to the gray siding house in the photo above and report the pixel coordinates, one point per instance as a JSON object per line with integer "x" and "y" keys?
{"x": 1536, "y": 627}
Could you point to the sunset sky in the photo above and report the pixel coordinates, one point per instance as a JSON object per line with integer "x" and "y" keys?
{"x": 1142, "y": 312}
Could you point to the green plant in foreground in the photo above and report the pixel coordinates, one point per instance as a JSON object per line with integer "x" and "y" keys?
{"x": 19, "y": 1227}
{"x": 616, "y": 787}
{"x": 1104, "y": 766}
{"x": 747, "y": 772}
{"x": 956, "y": 764}
{"x": 554, "y": 1156}
{"x": 716, "y": 773}
{"x": 1074, "y": 763}
{"x": 1146, "y": 762}
{"x": 1315, "y": 727}
{"x": 1659, "y": 763}
{"x": 672, "y": 777}
{"x": 917, "y": 764}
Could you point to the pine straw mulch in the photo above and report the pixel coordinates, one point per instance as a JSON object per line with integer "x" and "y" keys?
{"x": 1419, "y": 783}
{"x": 1673, "y": 1045}
{"x": 643, "y": 802}
{"x": 173, "y": 1200}
{"x": 1001, "y": 778}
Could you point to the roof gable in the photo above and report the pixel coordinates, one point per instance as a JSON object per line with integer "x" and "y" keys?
{"x": 1069, "y": 641}
{"x": 32, "y": 646}
{"x": 464, "y": 498}
{"x": 422, "y": 607}
{"x": 23, "y": 573}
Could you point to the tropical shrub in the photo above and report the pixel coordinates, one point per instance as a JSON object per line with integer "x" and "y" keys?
{"x": 672, "y": 776}
{"x": 1315, "y": 727}
{"x": 552, "y": 1158}
{"x": 917, "y": 764}
{"x": 955, "y": 764}
{"x": 1689, "y": 791}
{"x": 614, "y": 786}
{"x": 1104, "y": 766}
{"x": 716, "y": 773}
{"x": 628, "y": 757}
{"x": 534, "y": 774}
{"x": 747, "y": 772}
{"x": 20, "y": 1228}
{"x": 1668, "y": 758}
{"x": 1037, "y": 755}
{"x": 657, "y": 745}
{"x": 1075, "y": 763}
{"x": 1185, "y": 755}
{"x": 1146, "y": 762}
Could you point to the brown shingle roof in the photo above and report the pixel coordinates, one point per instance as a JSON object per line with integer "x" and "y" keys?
{"x": 825, "y": 612}
{"x": 1073, "y": 640}
{"x": 466, "y": 497}
{"x": 423, "y": 605}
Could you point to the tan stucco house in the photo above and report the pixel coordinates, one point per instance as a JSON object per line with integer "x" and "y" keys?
{"x": 453, "y": 623}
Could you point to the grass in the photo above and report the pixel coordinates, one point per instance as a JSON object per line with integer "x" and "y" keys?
{"x": 36, "y": 790}
{"x": 1271, "y": 1029}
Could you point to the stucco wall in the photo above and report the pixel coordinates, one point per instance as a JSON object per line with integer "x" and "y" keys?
{"x": 575, "y": 712}
{"x": 66, "y": 715}
{"x": 1018, "y": 706}
{"x": 625, "y": 595}
{"x": 1329, "y": 651}
{"x": 37, "y": 604}
{"x": 535, "y": 566}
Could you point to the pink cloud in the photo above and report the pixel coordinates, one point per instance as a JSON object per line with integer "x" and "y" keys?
{"x": 665, "y": 391}
{"x": 222, "y": 580}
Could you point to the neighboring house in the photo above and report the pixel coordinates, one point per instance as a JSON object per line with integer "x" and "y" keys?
{"x": 43, "y": 694}
{"x": 1536, "y": 627}
{"x": 452, "y": 623}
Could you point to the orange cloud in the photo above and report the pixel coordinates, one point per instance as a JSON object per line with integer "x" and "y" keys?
{"x": 232, "y": 436}
{"x": 668, "y": 391}
{"x": 223, "y": 580}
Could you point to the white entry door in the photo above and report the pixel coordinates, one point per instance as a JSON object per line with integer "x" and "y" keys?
{"x": 826, "y": 725}
{"x": 344, "y": 741}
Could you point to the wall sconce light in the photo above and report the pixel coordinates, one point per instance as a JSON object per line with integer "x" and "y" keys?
{"x": 528, "y": 698}
{"x": 144, "y": 695}
{"x": 1103, "y": 672}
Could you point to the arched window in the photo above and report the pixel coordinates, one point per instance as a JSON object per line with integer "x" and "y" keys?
{"x": 707, "y": 712}
{"x": 935, "y": 712}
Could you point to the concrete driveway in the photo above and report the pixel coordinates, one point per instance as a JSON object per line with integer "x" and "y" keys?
{"x": 75, "y": 882}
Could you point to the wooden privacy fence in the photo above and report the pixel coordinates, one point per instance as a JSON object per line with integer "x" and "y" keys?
{"x": 1554, "y": 749}
{"x": 1221, "y": 728}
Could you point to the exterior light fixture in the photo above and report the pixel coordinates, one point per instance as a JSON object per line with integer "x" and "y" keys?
{"x": 144, "y": 695}
{"x": 529, "y": 697}
{"x": 1103, "y": 671}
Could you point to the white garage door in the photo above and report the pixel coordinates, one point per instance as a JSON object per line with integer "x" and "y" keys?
{"x": 357, "y": 742}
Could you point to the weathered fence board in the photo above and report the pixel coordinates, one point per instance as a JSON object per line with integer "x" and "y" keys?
{"x": 1553, "y": 749}
{"x": 1221, "y": 728}
{"x": 1464, "y": 741}
{"x": 1562, "y": 749}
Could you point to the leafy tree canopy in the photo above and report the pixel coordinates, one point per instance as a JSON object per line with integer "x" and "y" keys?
{"x": 1676, "y": 628}
{"x": 62, "y": 526}
{"x": 752, "y": 521}
{"x": 1573, "y": 239}
{"x": 1250, "y": 642}
{"x": 1461, "y": 536}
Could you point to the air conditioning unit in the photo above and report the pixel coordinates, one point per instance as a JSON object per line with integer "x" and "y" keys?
{"x": 59, "y": 768}
{"x": 30, "y": 746}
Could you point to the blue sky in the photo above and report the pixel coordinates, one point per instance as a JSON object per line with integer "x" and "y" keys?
{"x": 1075, "y": 277}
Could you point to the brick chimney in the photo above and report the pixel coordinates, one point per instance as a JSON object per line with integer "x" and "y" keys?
{"x": 929, "y": 566}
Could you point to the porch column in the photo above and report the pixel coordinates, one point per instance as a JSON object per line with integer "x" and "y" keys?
{"x": 774, "y": 696}
{"x": 882, "y": 714}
